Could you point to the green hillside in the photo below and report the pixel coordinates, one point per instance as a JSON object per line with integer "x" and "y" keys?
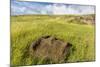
{"x": 74, "y": 29}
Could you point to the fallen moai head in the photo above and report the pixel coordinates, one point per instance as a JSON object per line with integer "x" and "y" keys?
{"x": 51, "y": 48}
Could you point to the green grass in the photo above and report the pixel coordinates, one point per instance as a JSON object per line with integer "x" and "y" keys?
{"x": 26, "y": 29}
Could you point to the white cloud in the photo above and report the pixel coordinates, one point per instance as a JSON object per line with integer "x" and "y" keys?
{"x": 63, "y": 9}
{"x": 88, "y": 10}
{"x": 59, "y": 9}
{"x": 46, "y": 9}
{"x": 49, "y": 7}
{"x": 18, "y": 8}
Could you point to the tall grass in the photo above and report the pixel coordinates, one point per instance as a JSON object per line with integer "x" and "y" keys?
{"x": 26, "y": 29}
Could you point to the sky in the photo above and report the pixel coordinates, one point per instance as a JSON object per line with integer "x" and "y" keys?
{"x": 26, "y": 8}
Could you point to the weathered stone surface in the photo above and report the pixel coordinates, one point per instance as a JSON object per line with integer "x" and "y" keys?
{"x": 49, "y": 47}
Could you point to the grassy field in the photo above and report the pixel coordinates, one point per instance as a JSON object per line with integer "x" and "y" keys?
{"x": 26, "y": 29}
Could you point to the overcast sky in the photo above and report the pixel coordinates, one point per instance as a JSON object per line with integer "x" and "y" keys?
{"x": 22, "y": 8}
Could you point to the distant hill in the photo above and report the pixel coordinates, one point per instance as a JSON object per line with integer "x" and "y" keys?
{"x": 79, "y": 19}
